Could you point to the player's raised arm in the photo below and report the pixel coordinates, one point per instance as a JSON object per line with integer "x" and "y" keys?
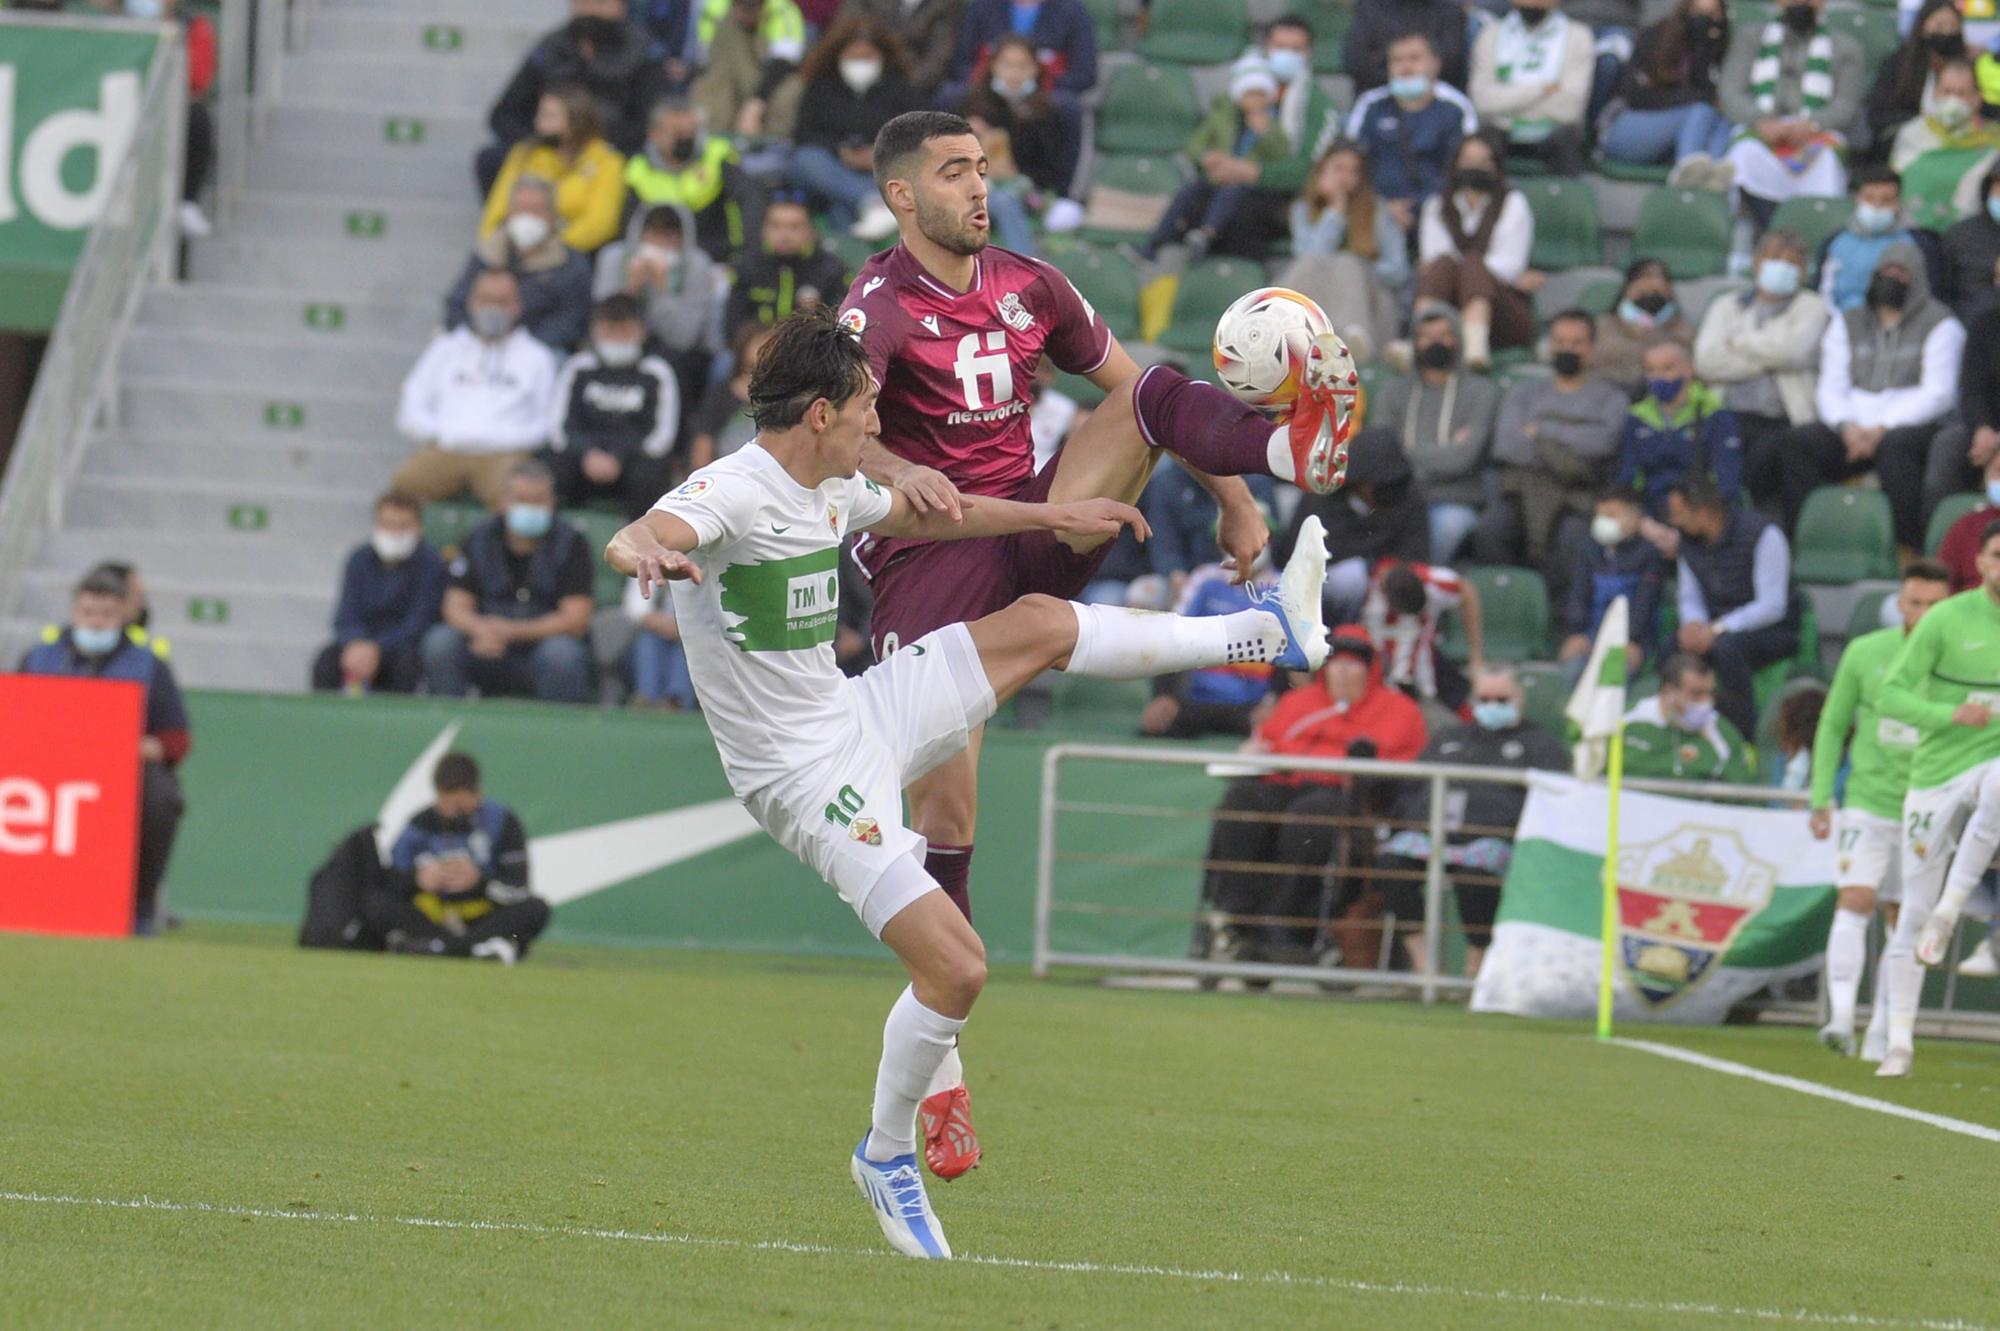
{"x": 652, "y": 549}
{"x": 986, "y": 516}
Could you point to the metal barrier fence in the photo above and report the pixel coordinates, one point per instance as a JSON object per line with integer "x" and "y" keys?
{"x": 255, "y": 37}
{"x": 1946, "y": 1018}
{"x": 131, "y": 243}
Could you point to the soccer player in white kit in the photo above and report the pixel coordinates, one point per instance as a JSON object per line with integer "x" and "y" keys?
{"x": 751, "y": 546}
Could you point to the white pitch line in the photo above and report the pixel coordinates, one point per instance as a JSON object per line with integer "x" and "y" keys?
{"x": 1672, "y": 1308}
{"x": 1804, "y": 1087}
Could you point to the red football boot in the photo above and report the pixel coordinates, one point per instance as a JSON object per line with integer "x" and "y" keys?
{"x": 951, "y": 1146}
{"x": 1325, "y": 415}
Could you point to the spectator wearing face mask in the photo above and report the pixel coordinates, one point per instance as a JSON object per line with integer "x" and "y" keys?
{"x": 1647, "y": 312}
{"x": 1888, "y": 376}
{"x": 138, "y": 614}
{"x": 1847, "y": 258}
{"x": 928, "y": 30}
{"x": 1905, "y": 87}
{"x": 1664, "y": 110}
{"x": 1531, "y": 79}
{"x": 517, "y": 612}
{"x": 856, "y": 81}
{"x": 1377, "y": 27}
{"x": 567, "y": 150}
{"x": 1677, "y": 734}
{"x": 1403, "y": 613}
{"x": 1738, "y": 608}
{"x": 95, "y": 646}
{"x": 617, "y": 416}
{"x": 477, "y": 401}
{"x": 1795, "y": 85}
{"x": 1972, "y": 251}
{"x": 1618, "y": 560}
{"x": 676, "y": 286}
{"x": 787, "y": 271}
{"x": 1480, "y": 816}
{"x": 701, "y": 175}
{"x": 1241, "y": 125}
{"x": 1798, "y": 718}
{"x": 1959, "y": 551}
{"x": 1945, "y": 153}
{"x": 1473, "y": 243}
{"x": 597, "y": 50}
{"x": 1761, "y": 348}
{"x": 1409, "y": 127}
{"x": 1031, "y": 146}
{"x": 1444, "y": 417}
{"x": 1680, "y": 429}
{"x": 390, "y": 595}
{"x": 552, "y": 280}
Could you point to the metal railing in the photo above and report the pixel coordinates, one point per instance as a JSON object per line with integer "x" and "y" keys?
{"x": 255, "y": 38}
{"x": 132, "y": 242}
{"x": 1429, "y": 979}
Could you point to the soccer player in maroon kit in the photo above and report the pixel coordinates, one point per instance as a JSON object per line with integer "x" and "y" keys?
{"x": 955, "y": 331}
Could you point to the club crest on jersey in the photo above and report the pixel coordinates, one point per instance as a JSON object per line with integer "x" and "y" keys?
{"x": 1014, "y": 314}
{"x": 1682, "y": 900}
{"x": 833, "y": 518}
{"x": 854, "y": 320}
{"x": 695, "y": 488}
{"x": 867, "y": 831}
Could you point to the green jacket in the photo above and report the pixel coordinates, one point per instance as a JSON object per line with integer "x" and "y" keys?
{"x": 1656, "y": 748}
{"x": 1318, "y": 128}
{"x": 1220, "y": 130}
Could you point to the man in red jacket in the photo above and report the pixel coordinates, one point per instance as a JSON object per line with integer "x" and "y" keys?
{"x": 1284, "y": 818}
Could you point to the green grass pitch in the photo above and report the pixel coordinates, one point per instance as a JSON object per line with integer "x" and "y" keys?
{"x": 659, "y": 1139}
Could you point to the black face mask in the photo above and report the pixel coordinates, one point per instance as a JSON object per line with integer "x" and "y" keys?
{"x": 549, "y": 140}
{"x": 1652, "y": 302}
{"x": 1530, "y": 17}
{"x": 1568, "y": 364}
{"x": 596, "y": 31}
{"x": 1887, "y": 291}
{"x": 682, "y": 148}
{"x": 1945, "y": 44}
{"x": 1437, "y": 356}
{"x": 1704, "y": 30}
{"x": 1477, "y": 179}
{"x": 455, "y": 826}
{"x": 1801, "y": 19}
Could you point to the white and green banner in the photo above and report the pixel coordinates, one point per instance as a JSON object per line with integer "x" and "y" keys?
{"x": 1715, "y": 902}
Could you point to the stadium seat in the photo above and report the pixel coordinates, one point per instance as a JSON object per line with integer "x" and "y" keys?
{"x": 446, "y": 523}
{"x": 1566, "y": 287}
{"x": 598, "y": 527}
{"x": 1698, "y": 295}
{"x": 1601, "y": 296}
{"x": 1106, "y": 17}
{"x": 1566, "y": 231}
{"x": 1845, "y": 533}
{"x": 1547, "y": 692}
{"x": 1147, "y": 108}
{"x": 1330, "y": 20}
{"x": 1196, "y": 32}
{"x": 1814, "y": 217}
{"x": 1643, "y": 173}
{"x": 1687, "y": 229}
{"x": 1866, "y": 616}
{"x": 1134, "y": 177}
{"x": 1206, "y": 290}
{"x": 1874, "y": 29}
{"x": 1514, "y": 609}
{"x": 1111, "y": 286}
{"x": 1949, "y": 510}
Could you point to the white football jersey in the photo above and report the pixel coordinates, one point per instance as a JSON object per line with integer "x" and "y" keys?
{"x": 759, "y": 628}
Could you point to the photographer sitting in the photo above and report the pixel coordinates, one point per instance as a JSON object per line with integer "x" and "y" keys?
{"x": 460, "y": 877}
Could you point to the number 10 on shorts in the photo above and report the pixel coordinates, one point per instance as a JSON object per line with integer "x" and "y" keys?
{"x": 844, "y": 809}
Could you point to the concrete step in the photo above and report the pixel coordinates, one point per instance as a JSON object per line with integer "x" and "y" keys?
{"x": 300, "y": 357}
{"x": 410, "y": 84}
{"x": 358, "y": 173}
{"x": 541, "y": 15}
{"x": 182, "y": 607}
{"x": 325, "y": 314}
{"x": 189, "y": 559}
{"x": 251, "y": 459}
{"x": 350, "y": 125}
{"x": 363, "y": 267}
{"x": 294, "y": 410}
{"x": 423, "y": 35}
{"x": 342, "y": 217}
{"x": 216, "y": 506}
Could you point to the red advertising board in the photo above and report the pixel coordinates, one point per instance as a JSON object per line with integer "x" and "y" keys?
{"x": 69, "y": 804}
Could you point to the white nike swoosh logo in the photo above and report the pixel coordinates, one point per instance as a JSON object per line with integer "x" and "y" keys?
{"x": 563, "y": 866}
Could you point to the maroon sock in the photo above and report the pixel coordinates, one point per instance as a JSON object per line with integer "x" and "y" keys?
{"x": 952, "y": 866}
{"x": 1201, "y": 424}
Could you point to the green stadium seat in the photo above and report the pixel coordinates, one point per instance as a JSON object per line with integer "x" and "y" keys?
{"x": 1814, "y": 217}
{"x": 446, "y": 523}
{"x": 1875, "y": 29}
{"x": 1514, "y": 610}
{"x": 598, "y": 527}
{"x": 1147, "y": 108}
{"x": 1143, "y": 174}
{"x": 1642, "y": 173}
{"x": 1206, "y": 290}
{"x": 1949, "y": 510}
{"x": 1845, "y": 534}
{"x": 1110, "y": 284}
{"x": 1522, "y": 167}
{"x": 1566, "y": 229}
{"x": 1547, "y": 691}
{"x": 1330, "y": 20}
{"x": 1866, "y": 616}
{"x": 1687, "y": 229}
{"x": 1106, "y": 17}
{"x": 1601, "y": 297}
{"x": 1196, "y": 32}
{"x": 1803, "y": 664}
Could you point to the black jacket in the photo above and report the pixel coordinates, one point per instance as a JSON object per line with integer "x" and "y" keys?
{"x": 1971, "y": 249}
{"x": 621, "y": 74}
{"x": 627, "y": 411}
{"x": 1397, "y": 526}
{"x": 1487, "y": 806}
{"x": 831, "y": 114}
{"x": 770, "y": 287}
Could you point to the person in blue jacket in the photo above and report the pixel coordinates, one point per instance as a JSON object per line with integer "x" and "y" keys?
{"x": 390, "y": 594}
{"x": 1678, "y": 429}
{"x": 1617, "y": 560}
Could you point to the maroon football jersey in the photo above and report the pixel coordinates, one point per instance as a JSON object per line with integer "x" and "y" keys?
{"x": 957, "y": 371}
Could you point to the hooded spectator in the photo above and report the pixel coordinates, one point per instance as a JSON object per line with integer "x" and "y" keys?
{"x": 1848, "y": 257}
{"x": 1379, "y": 514}
{"x": 1444, "y": 416}
{"x": 677, "y": 286}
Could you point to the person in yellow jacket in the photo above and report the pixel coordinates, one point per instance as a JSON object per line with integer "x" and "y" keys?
{"x": 567, "y": 148}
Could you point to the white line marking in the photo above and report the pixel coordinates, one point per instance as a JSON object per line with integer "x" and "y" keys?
{"x": 1958, "y": 1125}
{"x": 1670, "y": 1307}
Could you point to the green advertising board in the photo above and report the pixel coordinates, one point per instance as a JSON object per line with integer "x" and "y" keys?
{"x": 70, "y": 96}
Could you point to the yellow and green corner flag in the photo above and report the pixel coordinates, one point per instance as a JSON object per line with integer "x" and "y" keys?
{"x": 1597, "y": 710}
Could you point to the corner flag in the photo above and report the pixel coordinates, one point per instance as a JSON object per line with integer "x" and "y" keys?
{"x": 1598, "y": 710}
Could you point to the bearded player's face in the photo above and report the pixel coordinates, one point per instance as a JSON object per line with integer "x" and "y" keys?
{"x": 951, "y": 194}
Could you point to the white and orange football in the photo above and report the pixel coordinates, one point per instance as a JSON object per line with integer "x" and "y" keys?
{"x": 1261, "y": 343}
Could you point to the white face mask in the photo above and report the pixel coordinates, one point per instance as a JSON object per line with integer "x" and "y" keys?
{"x": 1606, "y": 530}
{"x": 1696, "y": 715}
{"x": 393, "y": 547}
{"x": 657, "y": 254}
{"x": 860, "y": 75}
{"x": 527, "y": 230}
{"x": 618, "y": 354}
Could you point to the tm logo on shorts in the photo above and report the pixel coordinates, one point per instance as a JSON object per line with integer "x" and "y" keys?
{"x": 843, "y": 811}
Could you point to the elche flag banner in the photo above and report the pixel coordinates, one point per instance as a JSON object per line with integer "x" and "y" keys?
{"x": 1715, "y": 902}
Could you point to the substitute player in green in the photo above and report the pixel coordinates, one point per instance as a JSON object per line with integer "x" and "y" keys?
{"x": 1869, "y": 822}
{"x": 1946, "y": 683}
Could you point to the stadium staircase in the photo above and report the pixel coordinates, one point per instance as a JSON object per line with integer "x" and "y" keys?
{"x": 256, "y": 400}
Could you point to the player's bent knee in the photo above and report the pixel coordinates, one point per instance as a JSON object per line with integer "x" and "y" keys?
{"x": 1860, "y": 900}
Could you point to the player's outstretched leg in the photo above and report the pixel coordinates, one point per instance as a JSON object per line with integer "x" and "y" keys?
{"x": 1976, "y": 848}
{"x": 1846, "y": 957}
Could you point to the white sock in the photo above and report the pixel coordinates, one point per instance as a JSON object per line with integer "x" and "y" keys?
{"x": 1113, "y": 642}
{"x": 1976, "y": 847}
{"x": 914, "y": 1041}
{"x": 1278, "y": 454}
{"x": 1846, "y": 954}
{"x": 1878, "y": 1011}
{"x": 1902, "y": 974}
{"x": 950, "y": 1073}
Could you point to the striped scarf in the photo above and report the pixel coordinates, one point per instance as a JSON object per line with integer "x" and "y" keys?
{"x": 1815, "y": 87}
